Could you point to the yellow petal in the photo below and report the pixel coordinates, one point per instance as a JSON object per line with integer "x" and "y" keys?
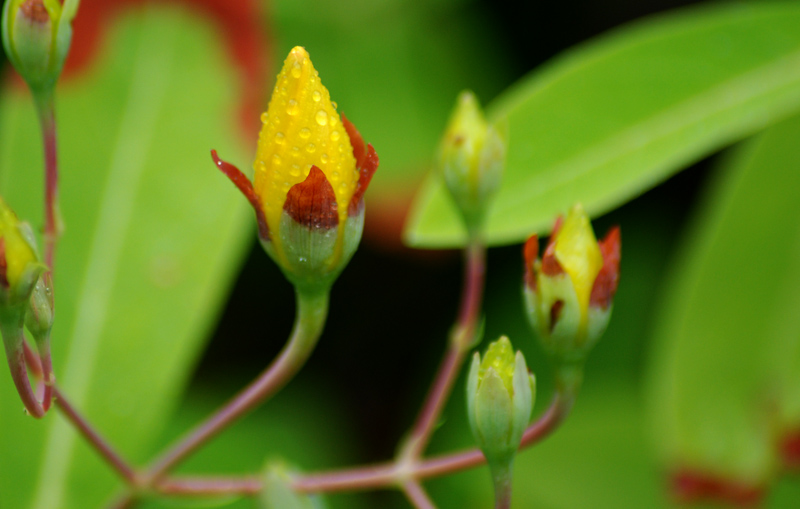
{"x": 579, "y": 255}
{"x": 301, "y": 128}
{"x": 17, "y": 250}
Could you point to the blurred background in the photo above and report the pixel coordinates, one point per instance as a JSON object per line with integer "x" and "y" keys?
{"x": 395, "y": 68}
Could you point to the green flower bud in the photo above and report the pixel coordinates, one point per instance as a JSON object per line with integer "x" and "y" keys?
{"x": 569, "y": 292}
{"x": 19, "y": 265}
{"x": 472, "y": 158}
{"x": 36, "y": 36}
{"x": 277, "y": 492}
{"x": 500, "y": 396}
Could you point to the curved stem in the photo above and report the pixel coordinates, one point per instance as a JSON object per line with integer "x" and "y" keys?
{"x": 462, "y": 338}
{"x": 106, "y": 451}
{"x": 312, "y": 310}
{"x": 13, "y": 339}
{"x": 363, "y": 478}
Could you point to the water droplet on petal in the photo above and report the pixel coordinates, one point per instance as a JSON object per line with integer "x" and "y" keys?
{"x": 333, "y": 103}
{"x": 316, "y": 96}
{"x": 310, "y": 148}
{"x": 264, "y": 117}
{"x": 296, "y": 70}
{"x": 322, "y": 117}
{"x": 335, "y": 136}
{"x": 305, "y": 133}
{"x": 324, "y": 158}
{"x": 276, "y": 159}
{"x": 292, "y": 107}
{"x": 280, "y": 139}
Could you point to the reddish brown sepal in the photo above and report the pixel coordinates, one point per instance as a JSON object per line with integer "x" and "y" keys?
{"x": 605, "y": 286}
{"x": 3, "y": 265}
{"x": 790, "y": 450}
{"x": 244, "y": 185}
{"x": 690, "y": 487}
{"x": 550, "y": 265}
{"x": 529, "y": 252}
{"x": 366, "y": 162}
{"x": 312, "y": 202}
{"x": 35, "y": 11}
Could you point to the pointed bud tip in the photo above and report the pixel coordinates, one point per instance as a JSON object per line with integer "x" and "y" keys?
{"x": 35, "y": 11}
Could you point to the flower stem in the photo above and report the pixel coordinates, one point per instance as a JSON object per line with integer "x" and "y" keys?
{"x": 14, "y": 339}
{"x": 312, "y": 310}
{"x": 112, "y": 457}
{"x": 417, "y": 496}
{"x": 502, "y": 476}
{"x": 368, "y": 477}
{"x": 462, "y": 338}
{"x": 45, "y": 108}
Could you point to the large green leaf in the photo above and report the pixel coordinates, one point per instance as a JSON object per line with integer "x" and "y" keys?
{"x": 154, "y": 235}
{"x": 725, "y": 369}
{"x": 614, "y": 117}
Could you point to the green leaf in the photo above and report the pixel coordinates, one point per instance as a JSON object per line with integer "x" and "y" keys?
{"x": 725, "y": 369}
{"x": 154, "y": 235}
{"x": 616, "y": 116}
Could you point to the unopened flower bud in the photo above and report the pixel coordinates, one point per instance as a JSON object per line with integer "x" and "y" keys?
{"x": 471, "y": 159}
{"x": 311, "y": 171}
{"x": 569, "y": 292}
{"x": 19, "y": 266}
{"x": 500, "y": 396}
{"x": 36, "y": 36}
{"x": 277, "y": 492}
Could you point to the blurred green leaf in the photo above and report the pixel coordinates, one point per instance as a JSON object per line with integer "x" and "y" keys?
{"x": 725, "y": 369}
{"x": 614, "y": 117}
{"x": 154, "y": 236}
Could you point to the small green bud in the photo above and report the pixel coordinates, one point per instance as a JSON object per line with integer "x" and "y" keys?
{"x": 500, "y": 396}
{"x": 472, "y": 158}
{"x": 277, "y": 492}
{"x": 36, "y": 36}
{"x": 569, "y": 292}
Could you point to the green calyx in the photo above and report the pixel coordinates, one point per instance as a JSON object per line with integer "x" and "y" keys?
{"x": 312, "y": 258}
{"x": 36, "y": 36}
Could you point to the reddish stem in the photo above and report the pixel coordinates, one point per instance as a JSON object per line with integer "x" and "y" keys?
{"x": 417, "y": 496}
{"x": 15, "y": 353}
{"x": 461, "y": 341}
{"x": 311, "y": 314}
{"x": 368, "y": 477}
{"x": 89, "y": 433}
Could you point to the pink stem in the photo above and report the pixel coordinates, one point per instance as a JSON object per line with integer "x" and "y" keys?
{"x": 89, "y": 433}
{"x": 464, "y": 332}
{"x": 15, "y": 353}
{"x": 311, "y": 314}
{"x": 368, "y": 477}
{"x": 417, "y": 496}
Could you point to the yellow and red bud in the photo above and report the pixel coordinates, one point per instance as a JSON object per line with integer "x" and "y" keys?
{"x": 312, "y": 169}
{"x": 569, "y": 292}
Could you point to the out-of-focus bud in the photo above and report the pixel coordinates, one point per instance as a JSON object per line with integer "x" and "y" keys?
{"x": 471, "y": 159}
{"x": 500, "y": 396}
{"x": 570, "y": 291}
{"x": 19, "y": 274}
{"x": 311, "y": 171}
{"x": 36, "y": 36}
{"x": 19, "y": 266}
{"x": 277, "y": 492}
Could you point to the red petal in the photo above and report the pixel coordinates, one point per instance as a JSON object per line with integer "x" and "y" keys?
{"x": 246, "y": 187}
{"x": 239, "y": 22}
{"x": 605, "y": 286}
{"x": 3, "y": 264}
{"x": 530, "y": 252}
{"x": 366, "y": 162}
{"x": 790, "y": 450}
{"x": 550, "y": 265}
{"x": 312, "y": 202}
{"x": 692, "y": 486}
